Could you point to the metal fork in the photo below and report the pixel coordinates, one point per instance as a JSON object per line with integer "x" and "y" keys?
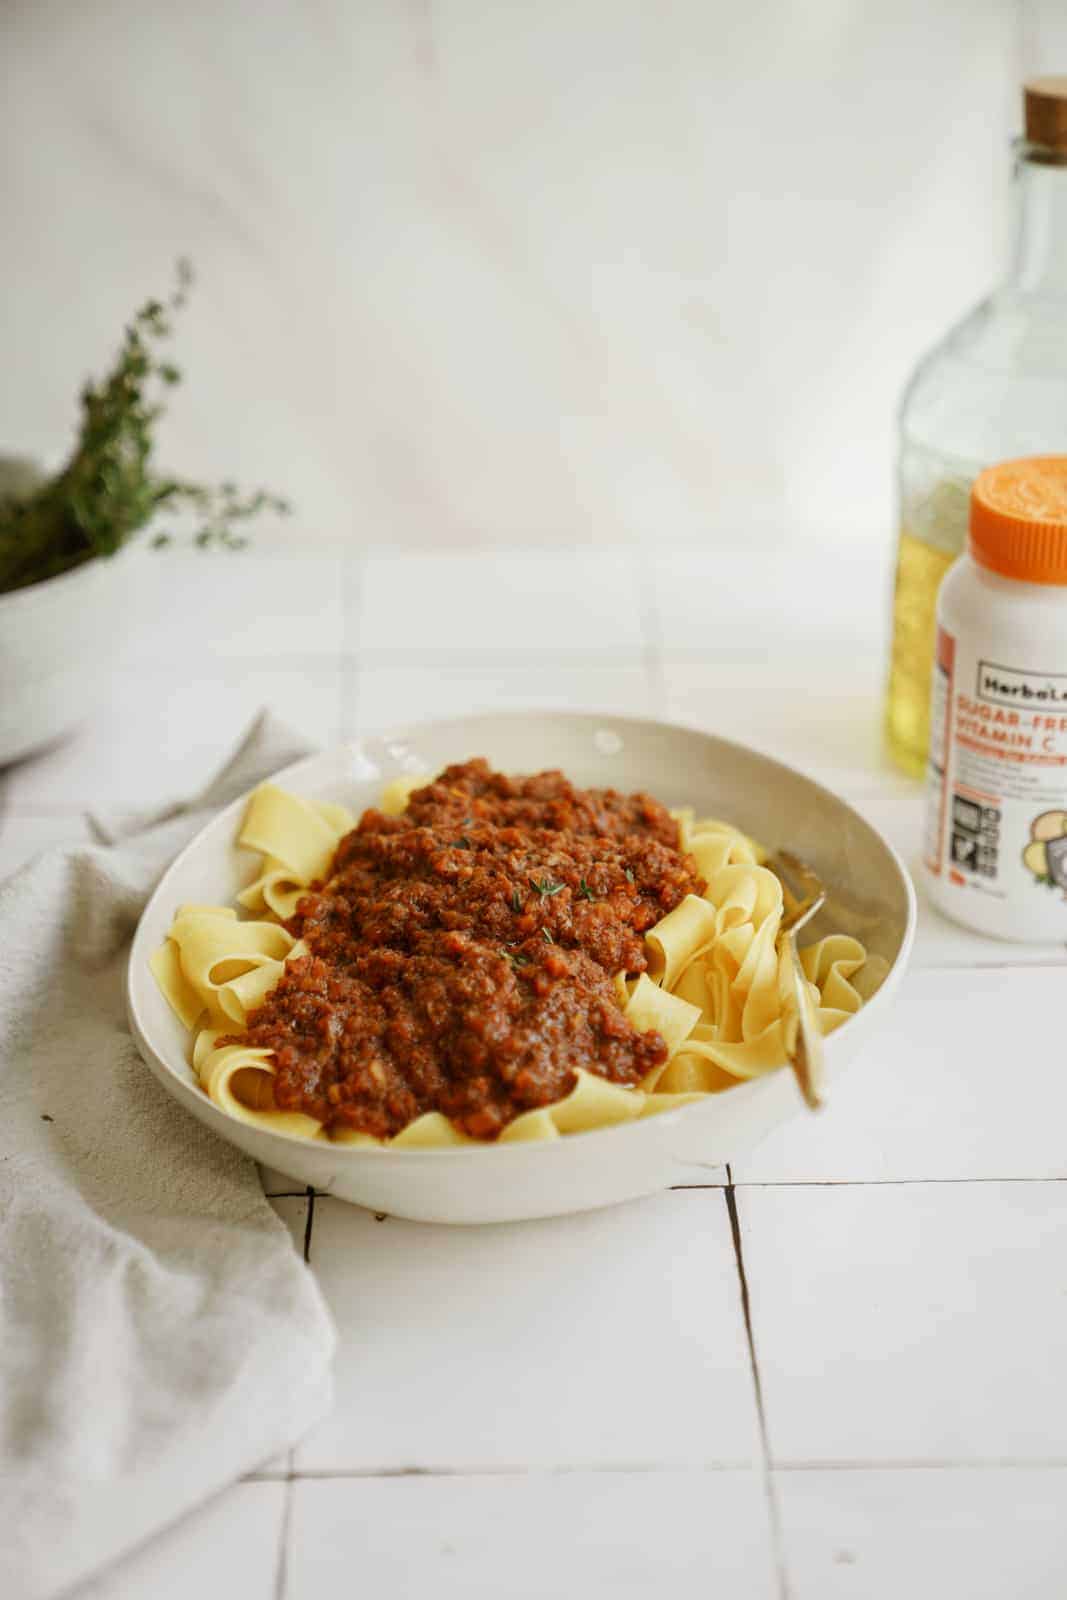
{"x": 806, "y": 1056}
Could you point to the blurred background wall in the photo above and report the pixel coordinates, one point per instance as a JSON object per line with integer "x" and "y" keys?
{"x": 490, "y": 272}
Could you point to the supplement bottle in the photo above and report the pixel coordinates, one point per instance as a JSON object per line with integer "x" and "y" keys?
{"x": 995, "y": 387}
{"x": 996, "y": 829}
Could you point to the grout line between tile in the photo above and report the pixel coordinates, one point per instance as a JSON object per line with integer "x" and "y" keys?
{"x": 309, "y": 1224}
{"x": 350, "y": 676}
{"x": 487, "y": 660}
{"x": 236, "y": 661}
{"x": 769, "y": 1487}
{"x": 412, "y": 656}
{"x": 496, "y": 1470}
{"x": 653, "y": 1468}
{"x": 875, "y": 1183}
{"x": 348, "y": 661}
{"x": 523, "y": 655}
{"x": 824, "y": 667}
{"x": 934, "y": 1464}
{"x": 1053, "y": 964}
{"x": 281, "y": 1571}
{"x": 281, "y": 1566}
{"x": 754, "y": 1183}
{"x": 652, "y": 634}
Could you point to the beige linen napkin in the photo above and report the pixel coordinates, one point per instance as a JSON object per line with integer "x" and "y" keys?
{"x": 159, "y": 1336}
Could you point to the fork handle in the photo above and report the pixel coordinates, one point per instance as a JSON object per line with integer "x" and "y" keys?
{"x": 808, "y": 1060}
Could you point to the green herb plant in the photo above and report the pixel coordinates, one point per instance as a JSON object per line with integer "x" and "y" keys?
{"x": 109, "y": 489}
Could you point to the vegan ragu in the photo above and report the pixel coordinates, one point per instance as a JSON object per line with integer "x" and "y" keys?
{"x": 463, "y": 955}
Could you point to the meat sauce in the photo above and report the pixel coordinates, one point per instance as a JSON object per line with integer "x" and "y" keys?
{"x": 462, "y": 955}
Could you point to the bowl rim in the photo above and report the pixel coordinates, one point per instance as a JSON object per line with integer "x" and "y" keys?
{"x": 493, "y": 1150}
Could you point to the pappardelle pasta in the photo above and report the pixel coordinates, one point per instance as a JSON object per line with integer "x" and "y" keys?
{"x": 488, "y": 958}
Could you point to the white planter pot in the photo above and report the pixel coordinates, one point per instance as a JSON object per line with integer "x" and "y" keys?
{"x": 58, "y": 645}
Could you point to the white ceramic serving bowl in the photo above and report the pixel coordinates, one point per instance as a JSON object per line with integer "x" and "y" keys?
{"x": 870, "y": 895}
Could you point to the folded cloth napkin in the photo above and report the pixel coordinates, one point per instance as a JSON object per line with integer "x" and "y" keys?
{"x": 159, "y": 1336}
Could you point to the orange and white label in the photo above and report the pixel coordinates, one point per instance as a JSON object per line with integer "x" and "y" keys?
{"x": 996, "y": 818}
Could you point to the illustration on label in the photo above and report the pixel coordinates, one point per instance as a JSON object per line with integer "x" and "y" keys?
{"x": 1046, "y": 854}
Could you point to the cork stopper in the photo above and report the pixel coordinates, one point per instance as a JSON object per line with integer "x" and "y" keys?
{"x": 1045, "y": 100}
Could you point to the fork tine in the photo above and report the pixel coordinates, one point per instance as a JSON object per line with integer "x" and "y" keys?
{"x": 806, "y": 1053}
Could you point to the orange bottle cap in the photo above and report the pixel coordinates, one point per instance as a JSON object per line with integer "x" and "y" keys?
{"x": 1019, "y": 519}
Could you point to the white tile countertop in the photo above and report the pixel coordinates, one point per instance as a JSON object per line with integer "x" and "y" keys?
{"x": 831, "y": 1370}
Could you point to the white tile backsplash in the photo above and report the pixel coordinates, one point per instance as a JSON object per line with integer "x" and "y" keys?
{"x": 822, "y": 717}
{"x": 397, "y": 695}
{"x": 232, "y": 1546}
{"x": 986, "y": 1534}
{"x": 909, "y": 1322}
{"x": 166, "y": 731}
{"x": 250, "y": 604}
{"x": 566, "y": 1319}
{"x": 573, "y": 1535}
{"x": 824, "y": 613}
{"x": 293, "y": 1209}
{"x": 963, "y": 1080}
{"x": 534, "y": 603}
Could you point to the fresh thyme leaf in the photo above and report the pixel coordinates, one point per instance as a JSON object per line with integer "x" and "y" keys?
{"x": 629, "y": 875}
{"x": 546, "y": 888}
{"x": 110, "y": 488}
{"x": 517, "y": 902}
{"x": 547, "y": 937}
{"x": 516, "y": 959}
{"x": 584, "y": 891}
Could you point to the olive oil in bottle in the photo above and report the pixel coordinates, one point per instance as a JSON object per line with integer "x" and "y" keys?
{"x": 993, "y": 389}
{"x": 931, "y": 535}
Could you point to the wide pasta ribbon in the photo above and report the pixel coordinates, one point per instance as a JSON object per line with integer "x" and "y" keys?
{"x": 725, "y": 960}
{"x": 297, "y": 839}
{"x": 214, "y": 964}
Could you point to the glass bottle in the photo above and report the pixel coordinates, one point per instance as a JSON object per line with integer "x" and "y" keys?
{"x": 994, "y": 388}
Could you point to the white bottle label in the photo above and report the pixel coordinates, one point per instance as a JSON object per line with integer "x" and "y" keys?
{"x": 997, "y": 795}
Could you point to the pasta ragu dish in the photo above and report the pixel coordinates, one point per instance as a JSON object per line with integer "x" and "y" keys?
{"x": 490, "y": 957}
{"x": 462, "y": 956}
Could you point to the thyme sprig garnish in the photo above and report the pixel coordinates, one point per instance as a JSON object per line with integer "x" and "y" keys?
{"x": 630, "y": 875}
{"x": 516, "y": 959}
{"x": 584, "y": 891}
{"x": 546, "y": 887}
{"x": 517, "y": 902}
{"x": 547, "y": 937}
{"x": 109, "y": 487}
